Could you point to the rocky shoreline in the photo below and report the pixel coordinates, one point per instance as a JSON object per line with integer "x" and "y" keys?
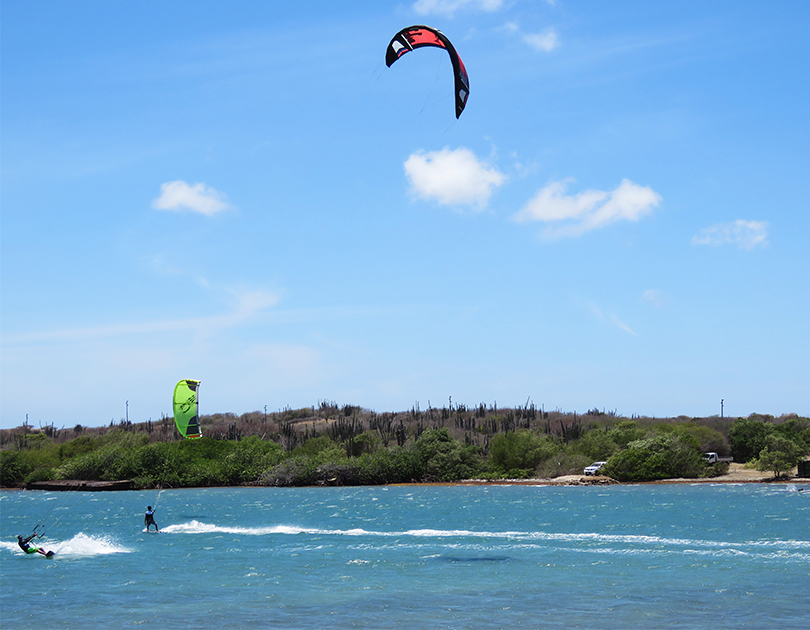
{"x": 78, "y": 484}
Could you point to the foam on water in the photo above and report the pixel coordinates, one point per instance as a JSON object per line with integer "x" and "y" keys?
{"x": 579, "y": 542}
{"x": 80, "y": 546}
{"x": 196, "y": 527}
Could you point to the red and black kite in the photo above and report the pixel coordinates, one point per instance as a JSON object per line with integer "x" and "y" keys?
{"x": 418, "y": 36}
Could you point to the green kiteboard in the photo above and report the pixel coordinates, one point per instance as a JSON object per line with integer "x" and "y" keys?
{"x": 39, "y": 550}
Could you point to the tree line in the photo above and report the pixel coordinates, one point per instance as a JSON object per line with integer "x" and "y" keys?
{"x": 346, "y": 445}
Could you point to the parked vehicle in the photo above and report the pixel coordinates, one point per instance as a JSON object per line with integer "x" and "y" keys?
{"x": 713, "y": 458}
{"x": 594, "y": 468}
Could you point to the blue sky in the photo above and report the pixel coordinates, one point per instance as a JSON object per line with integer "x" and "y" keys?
{"x": 243, "y": 193}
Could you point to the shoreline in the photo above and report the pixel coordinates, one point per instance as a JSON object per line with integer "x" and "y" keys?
{"x": 737, "y": 474}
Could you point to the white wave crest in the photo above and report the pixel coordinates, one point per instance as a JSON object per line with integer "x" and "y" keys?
{"x": 81, "y": 545}
{"x": 591, "y": 540}
{"x": 84, "y": 545}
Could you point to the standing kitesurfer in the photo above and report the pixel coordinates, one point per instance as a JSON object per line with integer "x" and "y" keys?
{"x": 28, "y": 548}
{"x": 149, "y": 518}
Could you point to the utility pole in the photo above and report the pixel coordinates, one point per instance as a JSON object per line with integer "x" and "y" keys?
{"x": 127, "y": 412}
{"x": 721, "y": 408}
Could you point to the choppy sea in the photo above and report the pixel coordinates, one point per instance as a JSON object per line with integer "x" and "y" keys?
{"x": 637, "y": 556}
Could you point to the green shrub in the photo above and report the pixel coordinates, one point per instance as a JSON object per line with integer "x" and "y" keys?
{"x": 393, "y": 465}
{"x": 366, "y": 442}
{"x": 248, "y": 459}
{"x": 798, "y": 431}
{"x": 659, "y": 457}
{"x": 96, "y": 465}
{"x": 77, "y": 446}
{"x": 624, "y": 432}
{"x": 747, "y": 438}
{"x": 339, "y": 473}
{"x": 565, "y": 463}
{"x": 295, "y": 471}
{"x": 595, "y": 445}
{"x": 521, "y": 450}
{"x": 779, "y": 455}
{"x": 446, "y": 459}
{"x": 13, "y": 469}
{"x": 313, "y": 446}
{"x": 704, "y": 439}
{"x": 39, "y": 474}
{"x": 717, "y": 469}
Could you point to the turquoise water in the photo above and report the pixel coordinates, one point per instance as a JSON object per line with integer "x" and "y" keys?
{"x": 657, "y": 556}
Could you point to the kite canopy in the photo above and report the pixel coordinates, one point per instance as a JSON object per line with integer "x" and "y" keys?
{"x": 418, "y": 36}
{"x": 186, "y": 408}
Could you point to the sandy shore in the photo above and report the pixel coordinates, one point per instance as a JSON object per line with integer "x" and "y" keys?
{"x": 737, "y": 473}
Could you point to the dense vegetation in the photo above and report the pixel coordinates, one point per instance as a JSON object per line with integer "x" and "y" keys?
{"x": 347, "y": 445}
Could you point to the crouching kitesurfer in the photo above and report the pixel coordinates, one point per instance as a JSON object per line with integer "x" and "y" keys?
{"x": 27, "y": 547}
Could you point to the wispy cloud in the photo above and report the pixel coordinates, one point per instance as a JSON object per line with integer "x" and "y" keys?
{"x": 600, "y": 315}
{"x": 163, "y": 267}
{"x": 288, "y": 363}
{"x": 544, "y": 41}
{"x": 449, "y": 7}
{"x": 654, "y": 297}
{"x": 588, "y": 210}
{"x": 180, "y": 196}
{"x": 745, "y": 234}
{"x": 246, "y": 305}
{"x": 452, "y": 177}
{"x": 622, "y": 326}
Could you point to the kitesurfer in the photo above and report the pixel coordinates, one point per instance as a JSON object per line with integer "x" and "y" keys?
{"x": 25, "y": 545}
{"x": 149, "y": 518}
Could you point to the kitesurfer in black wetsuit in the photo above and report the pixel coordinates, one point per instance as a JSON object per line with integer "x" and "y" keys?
{"x": 26, "y": 547}
{"x": 149, "y": 518}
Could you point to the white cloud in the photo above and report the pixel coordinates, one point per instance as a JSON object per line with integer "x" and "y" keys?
{"x": 452, "y": 177}
{"x": 622, "y": 326}
{"x": 546, "y": 41}
{"x": 600, "y": 315}
{"x": 654, "y": 297}
{"x": 246, "y": 305}
{"x": 587, "y": 210}
{"x": 251, "y": 302}
{"x": 287, "y": 363}
{"x": 448, "y": 7}
{"x": 179, "y": 196}
{"x": 744, "y": 234}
